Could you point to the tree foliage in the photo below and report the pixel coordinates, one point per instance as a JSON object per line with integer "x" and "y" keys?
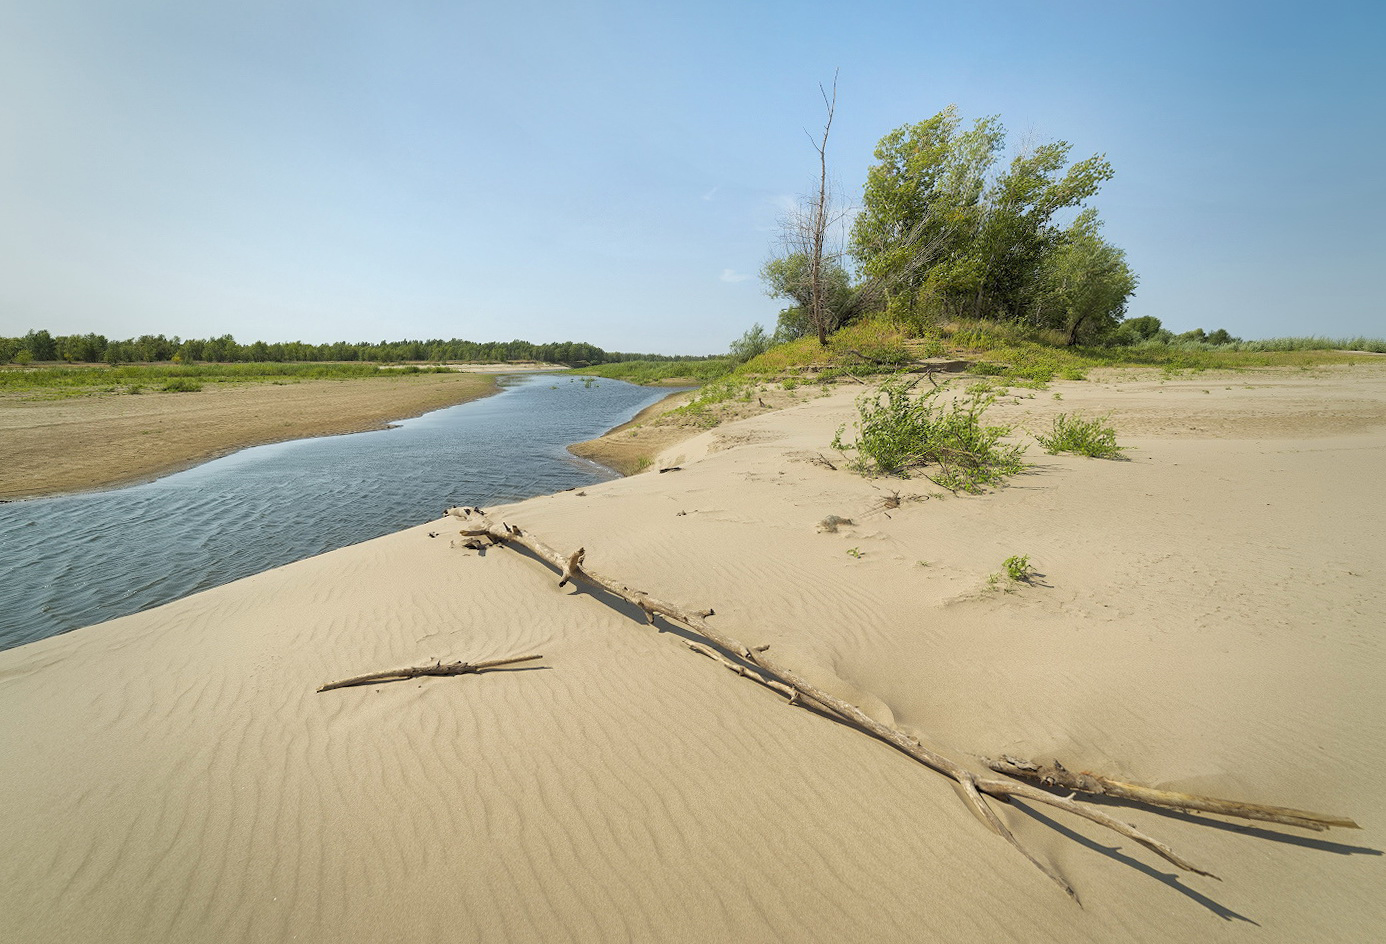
{"x": 1084, "y": 283}
{"x": 946, "y": 233}
{"x": 41, "y": 346}
{"x": 751, "y": 344}
{"x": 791, "y": 277}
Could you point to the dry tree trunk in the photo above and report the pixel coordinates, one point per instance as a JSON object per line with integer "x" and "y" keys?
{"x": 757, "y": 665}
{"x": 1059, "y": 776}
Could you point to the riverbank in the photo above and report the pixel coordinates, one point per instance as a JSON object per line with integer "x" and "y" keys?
{"x": 632, "y": 446}
{"x": 104, "y": 440}
{"x": 1204, "y": 616}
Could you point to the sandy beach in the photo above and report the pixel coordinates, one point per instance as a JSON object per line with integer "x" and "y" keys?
{"x": 1206, "y": 616}
{"x": 52, "y": 446}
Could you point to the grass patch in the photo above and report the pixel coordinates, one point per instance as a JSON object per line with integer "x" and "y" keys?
{"x": 899, "y": 433}
{"x": 1083, "y": 437}
{"x": 694, "y": 372}
{"x": 183, "y": 385}
{"x": 1015, "y": 352}
{"x": 94, "y": 379}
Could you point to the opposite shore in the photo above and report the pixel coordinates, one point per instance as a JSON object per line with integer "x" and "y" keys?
{"x": 85, "y": 443}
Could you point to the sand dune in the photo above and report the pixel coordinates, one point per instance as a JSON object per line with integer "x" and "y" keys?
{"x": 1208, "y": 617}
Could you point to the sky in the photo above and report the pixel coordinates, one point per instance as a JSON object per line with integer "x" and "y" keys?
{"x": 616, "y": 172}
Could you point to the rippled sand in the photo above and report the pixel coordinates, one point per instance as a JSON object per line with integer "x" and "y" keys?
{"x": 1207, "y": 617}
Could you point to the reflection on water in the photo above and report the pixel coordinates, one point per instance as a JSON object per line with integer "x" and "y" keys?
{"x": 81, "y": 559}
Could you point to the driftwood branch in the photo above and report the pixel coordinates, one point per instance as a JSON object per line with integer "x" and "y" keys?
{"x": 571, "y": 566}
{"x": 419, "y": 671}
{"x": 1057, "y": 775}
{"x": 979, "y": 805}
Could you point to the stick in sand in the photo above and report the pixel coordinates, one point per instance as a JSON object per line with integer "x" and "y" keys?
{"x": 974, "y": 788}
{"x": 419, "y": 671}
{"x": 1057, "y": 775}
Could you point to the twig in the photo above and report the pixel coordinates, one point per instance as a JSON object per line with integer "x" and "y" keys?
{"x": 419, "y": 671}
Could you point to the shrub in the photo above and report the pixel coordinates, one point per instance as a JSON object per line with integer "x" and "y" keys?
{"x": 1018, "y": 568}
{"x": 1082, "y": 437}
{"x": 898, "y": 433}
{"x": 751, "y": 344}
{"x": 182, "y": 385}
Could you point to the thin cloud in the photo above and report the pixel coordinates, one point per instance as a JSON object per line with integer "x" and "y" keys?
{"x": 731, "y": 275}
{"x": 712, "y": 193}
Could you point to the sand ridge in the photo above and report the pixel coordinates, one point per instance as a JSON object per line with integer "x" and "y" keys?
{"x": 1207, "y": 617}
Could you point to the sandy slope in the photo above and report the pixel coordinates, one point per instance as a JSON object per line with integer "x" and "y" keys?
{"x": 1208, "y": 618}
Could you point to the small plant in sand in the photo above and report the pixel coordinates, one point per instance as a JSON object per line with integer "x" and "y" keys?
{"x": 1018, "y": 568}
{"x": 899, "y": 432}
{"x": 1084, "y": 437}
{"x": 854, "y": 552}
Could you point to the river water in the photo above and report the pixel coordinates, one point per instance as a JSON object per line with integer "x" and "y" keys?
{"x": 75, "y": 560}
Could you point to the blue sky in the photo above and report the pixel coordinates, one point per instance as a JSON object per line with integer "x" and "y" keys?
{"x": 614, "y": 171}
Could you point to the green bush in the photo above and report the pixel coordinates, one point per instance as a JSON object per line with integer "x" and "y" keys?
{"x": 182, "y": 385}
{"x": 899, "y": 432}
{"x": 1018, "y": 568}
{"x": 695, "y": 371}
{"x": 1082, "y": 437}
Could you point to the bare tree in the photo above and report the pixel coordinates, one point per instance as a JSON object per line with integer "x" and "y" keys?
{"x": 818, "y": 224}
{"x": 809, "y": 272}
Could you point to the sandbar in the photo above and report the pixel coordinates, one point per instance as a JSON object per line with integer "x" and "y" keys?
{"x": 96, "y": 441}
{"x": 1204, "y": 616}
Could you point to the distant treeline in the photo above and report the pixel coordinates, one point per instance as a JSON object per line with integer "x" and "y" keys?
{"x": 154, "y": 348}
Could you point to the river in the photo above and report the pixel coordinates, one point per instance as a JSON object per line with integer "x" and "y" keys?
{"x": 74, "y": 560}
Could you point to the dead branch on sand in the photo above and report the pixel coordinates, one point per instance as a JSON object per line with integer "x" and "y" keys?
{"x": 419, "y": 671}
{"x": 756, "y": 665}
{"x": 1058, "y": 775}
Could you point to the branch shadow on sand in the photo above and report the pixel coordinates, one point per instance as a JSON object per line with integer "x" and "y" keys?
{"x": 1115, "y": 853}
{"x": 661, "y": 625}
{"x": 1245, "y": 829}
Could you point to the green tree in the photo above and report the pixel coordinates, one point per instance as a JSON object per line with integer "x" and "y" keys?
{"x": 1019, "y": 231}
{"x": 41, "y": 346}
{"x": 941, "y": 233}
{"x": 81, "y": 348}
{"x": 1084, "y": 283}
{"x": 1136, "y": 330}
{"x": 751, "y": 344}
{"x": 922, "y": 206}
{"x": 792, "y": 277}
